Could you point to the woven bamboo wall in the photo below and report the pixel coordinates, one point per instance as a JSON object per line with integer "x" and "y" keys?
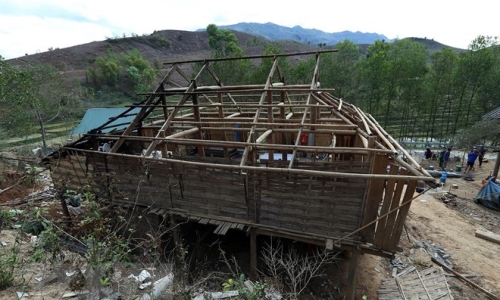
{"x": 313, "y": 206}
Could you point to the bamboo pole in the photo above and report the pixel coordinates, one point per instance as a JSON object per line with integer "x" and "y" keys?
{"x": 288, "y": 124}
{"x": 182, "y": 133}
{"x": 363, "y": 119}
{"x": 410, "y": 158}
{"x": 251, "y": 134}
{"x": 377, "y": 128}
{"x": 487, "y": 293}
{"x": 263, "y": 136}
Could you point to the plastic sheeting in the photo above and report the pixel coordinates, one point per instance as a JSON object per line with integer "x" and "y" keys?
{"x": 489, "y": 195}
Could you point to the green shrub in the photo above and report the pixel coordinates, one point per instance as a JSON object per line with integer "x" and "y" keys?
{"x": 8, "y": 263}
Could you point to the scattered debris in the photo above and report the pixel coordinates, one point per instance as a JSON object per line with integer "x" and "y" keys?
{"x": 413, "y": 284}
{"x": 141, "y": 277}
{"x": 74, "y": 294}
{"x": 438, "y": 253}
{"x": 21, "y": 295}
{"x": 489, "y": 236}
{"x": 490, "y": 295}
{"x": 159, "y": 286}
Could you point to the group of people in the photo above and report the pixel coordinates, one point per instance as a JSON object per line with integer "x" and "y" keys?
{"x": 472, "y": 156}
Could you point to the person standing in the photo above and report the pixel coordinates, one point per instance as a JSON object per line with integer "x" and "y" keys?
{"x": 482, "y": 151}
{"x": 471, "y": 159}
{"x": 446, "y": 158}
{"x": 441, "y": 156}
{"x": 428, "y": 153}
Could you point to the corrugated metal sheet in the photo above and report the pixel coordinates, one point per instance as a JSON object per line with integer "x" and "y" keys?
{"x": 95, "y": 117}
{"x": 494, "y": 114}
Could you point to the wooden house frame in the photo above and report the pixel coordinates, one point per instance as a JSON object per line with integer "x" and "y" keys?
{"x": 274, "y": 159}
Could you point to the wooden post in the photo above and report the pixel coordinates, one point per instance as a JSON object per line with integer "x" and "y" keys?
{"x": 375, "y": 190}
{"x": 497, "y": 165}
{"x": 197, "y": 118}
{"x": 176, "y": 234}
{"x": 253, "y": 253}
{"x": 351, "y": 276}
{"x": 64, "y": 206}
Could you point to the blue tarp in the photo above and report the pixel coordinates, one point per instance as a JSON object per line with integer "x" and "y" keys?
{"x": 489, "y": 195}
{"x": 95, "y": 117}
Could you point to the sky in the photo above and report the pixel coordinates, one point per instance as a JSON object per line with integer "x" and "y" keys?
{"x": 34, "y": 26}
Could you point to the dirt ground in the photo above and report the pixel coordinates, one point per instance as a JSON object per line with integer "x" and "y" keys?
{"x": 449, "y": 223}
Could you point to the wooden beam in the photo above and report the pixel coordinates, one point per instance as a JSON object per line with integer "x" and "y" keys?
{"x": 497, "y": 166}
{"x": 183, "y": 133}
{"x": 251, "y": 134}
{"x": 489, "y": 236}
{"x": 374, "y": 192}
{"x": 141, "y": 114}
{"x": 173, "y": 114}
{"x": 266, "y": 169}
{"x": 263, "y": 136}
{"x": 447, "y": 269}
{"x": 253, "y": 254}
{"x": 351, "y": 276}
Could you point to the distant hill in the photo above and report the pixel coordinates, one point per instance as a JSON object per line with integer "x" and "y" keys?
{"x": 433, "y": 46}
{"x": 178, "y": 45}
{"x": 276, "y": 32}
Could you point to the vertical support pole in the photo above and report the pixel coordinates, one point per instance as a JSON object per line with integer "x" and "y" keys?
{"x": 282, "y": 137}
{"x": 180, "y": 264}
{"x": 164, "y": 148}
{"x": 253, "y": 253}
{"x": 351, "y": 276}
{"x": 221, "y": 116}
{"x": 497, "y": 165}
{"x": 373, "y": 196}
{"x": 197, "y": 118}
{"x": 270, "y": 119}
{"x": 64, "y": 206}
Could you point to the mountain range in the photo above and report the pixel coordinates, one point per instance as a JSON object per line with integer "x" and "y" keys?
{"x": 276, "y": 32}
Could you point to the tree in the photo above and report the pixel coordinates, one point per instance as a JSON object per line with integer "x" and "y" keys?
{"x": 440, "y": 93}
{"x": 107, "y": 70}
{"x": 375, "y": 74}
{"x": 340, "y": 70}
{"x": 224, "y": 44}
{"x": 487, "y": 130}
{"x": 139, "y": 71}
{"x": 260, "y": 73}
{"x": 31, "y": 97}
{"x": 473, "y": 67}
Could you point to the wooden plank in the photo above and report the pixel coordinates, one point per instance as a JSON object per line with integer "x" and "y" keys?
{"x": 391, "y": 218}
{"x": 374, "y": 195}
{"x": 351, "y": 276}
{"x": 386, "y": 204}
{"x": 447, "y": 269}
{"x": 401, "y": 217}
{"x": 488, "y": 235}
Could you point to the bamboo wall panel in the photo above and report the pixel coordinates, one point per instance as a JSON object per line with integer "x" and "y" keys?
{"x": 71, "y": 173}
{"x": 326, "y": 206}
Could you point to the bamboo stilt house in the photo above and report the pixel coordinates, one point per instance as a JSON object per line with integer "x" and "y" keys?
{"x": 285, "y": 160}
